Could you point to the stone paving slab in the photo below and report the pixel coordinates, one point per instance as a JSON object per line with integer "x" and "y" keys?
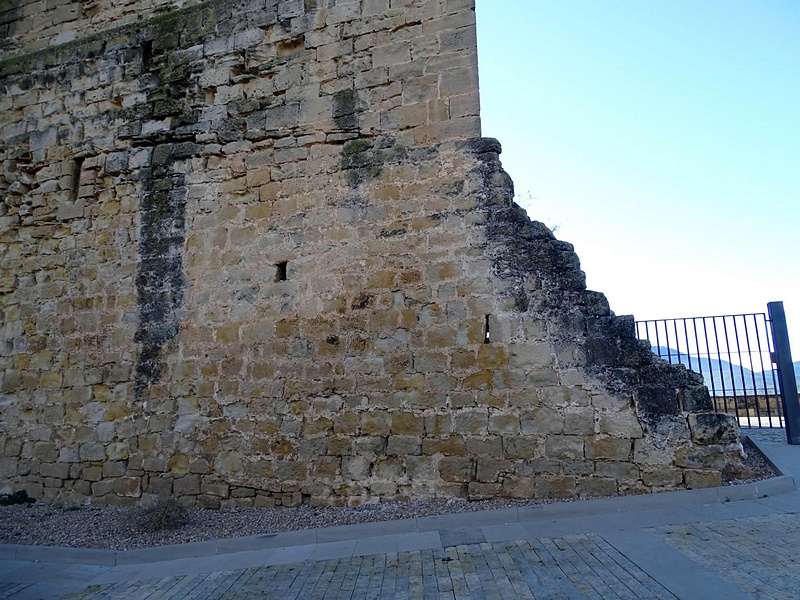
{"x": 577, "y": 566}
{"x": 758, "y": 554}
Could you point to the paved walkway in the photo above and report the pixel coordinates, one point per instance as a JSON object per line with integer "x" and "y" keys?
{"x": 731, "y": 543}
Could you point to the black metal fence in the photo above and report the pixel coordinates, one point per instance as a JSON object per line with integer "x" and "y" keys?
{"x": 736, "y": 354}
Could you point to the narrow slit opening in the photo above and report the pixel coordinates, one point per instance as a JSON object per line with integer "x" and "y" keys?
{"x": 280, "y": 274}
{"x": 486, "y": 336}
{"x": 75, "y": 183}
{"x": 147, "y": 55}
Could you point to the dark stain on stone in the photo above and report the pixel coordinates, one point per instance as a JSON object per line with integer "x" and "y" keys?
{"x": 346, "y": 108}
{"x": 160, "y": 278}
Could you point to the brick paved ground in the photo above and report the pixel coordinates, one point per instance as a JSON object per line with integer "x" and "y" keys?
{"x": 543, "y": 568}
{"x": 757, "y": 554}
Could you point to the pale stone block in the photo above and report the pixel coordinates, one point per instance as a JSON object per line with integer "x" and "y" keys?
{"x": 564, "y": 447}
{"x": 597, "y": 487}
{"x": 606, "y": 448}
{"x": 702, "y": 479}
{"x": 456, "y": 469}
{"x": 356, "y": 467}
{"x": 391, "y": 54}
{"x": 504, "y": 424}
{"x": 620, "y": 424}
{"x": 472, "y": 422}
{"x": 515, "y": 486}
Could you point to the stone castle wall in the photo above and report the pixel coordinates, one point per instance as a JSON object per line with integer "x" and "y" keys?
{"x": 255, "y": 254}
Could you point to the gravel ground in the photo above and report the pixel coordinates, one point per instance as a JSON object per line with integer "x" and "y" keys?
{"x": 124, "y": 528}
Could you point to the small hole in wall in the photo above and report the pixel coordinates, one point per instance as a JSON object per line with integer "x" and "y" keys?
{"x": 486, "y": 339}
{"x": 147, "y": 55}
{"x": 280, "y": 274}
{"x": 75, "y": 178}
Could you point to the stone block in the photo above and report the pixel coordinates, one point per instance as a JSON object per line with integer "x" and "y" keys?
{"x": 492, "y": 469}
{"x": 696, "y": 478}
{"x": 115, "y": 468}
{"x": 45, "y": 451}
{"x": 346, "y": 423}
{"x": 376, "y": 422}
{"x": 453, "y": 445}
{"x": 282, "y": 117}
{"x": 356, "y": 468}
{"x": 579, "y": 421}
{"x": 521, "y": 447}
{"x": 54, "y": 470}
{"x": 646, "y": 452}
{"x": 290, "y": 470}
{"x": 160, "y": 486}
{"x": 471, "y": 422}
{"x": 456, "y": 469}
{"x": 130, "y": 487}
{"x": 608, "y": 448}
{"x": 117, "y": 451}
{"x": 664, "y": 477}
{"x": 70, "y": 210}
{"x": 8, "y": 468}
{"x": 370, "y": 446}
{"x": 695, "y": 399}
{"x": 340, "y": 445}
{"x": 700, "y": 457}
{"x": 103, "y": 487}
{"x": 327, "y": 467}
{"x": 714, "y": 428}
{"x": 504, "y": 424}
{"x": 541, "y": 421}
{"x": 209, "y": 502}
{"x": 390, "y": 468}
{"x": 403, "y": 445}
{"x": 597, "y": 487}
{"x": 421, "y": 468}
{"x": 619, "y": 424}
{"x": 116, "y": 162}
{"x": 214, "y": 488}
{"x": 407, "y": 423}
{"x": 618, "y": 471}
{"x": 391, "y": 54}
{"x": 484, "y": 445}
{"x": 477, "y": 491}
{"x": 515, "y": 486}
{"x": 188, "y": 485}
{"x": 555, "y": 487}
{"x": 564, "y": 447}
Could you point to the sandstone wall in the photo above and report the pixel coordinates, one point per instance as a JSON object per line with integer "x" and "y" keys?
{"x": 258, "y": 256}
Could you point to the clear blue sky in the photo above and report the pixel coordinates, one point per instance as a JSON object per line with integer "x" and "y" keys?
{"x": 661, "y": 138}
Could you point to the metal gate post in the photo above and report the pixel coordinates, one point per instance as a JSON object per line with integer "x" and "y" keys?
{"x": 786, "y": 379}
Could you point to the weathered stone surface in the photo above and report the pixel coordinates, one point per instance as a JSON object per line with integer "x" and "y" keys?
{"x": 714, "y": 428}
{"x": 702, "y": 479}
{"x": 263, "y": 258}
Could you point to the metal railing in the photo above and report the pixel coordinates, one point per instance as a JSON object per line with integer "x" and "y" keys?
{"x": 737, "y": 357}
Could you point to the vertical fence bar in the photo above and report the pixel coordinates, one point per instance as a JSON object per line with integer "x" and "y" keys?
{"x": 786, "y": 378}
{"x": 741, "y": 383}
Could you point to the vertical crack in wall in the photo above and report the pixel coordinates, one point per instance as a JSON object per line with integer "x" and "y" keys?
{"x": 160, "y": 278}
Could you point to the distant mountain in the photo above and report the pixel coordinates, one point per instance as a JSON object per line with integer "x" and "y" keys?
{"x": 722, "y": 377}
